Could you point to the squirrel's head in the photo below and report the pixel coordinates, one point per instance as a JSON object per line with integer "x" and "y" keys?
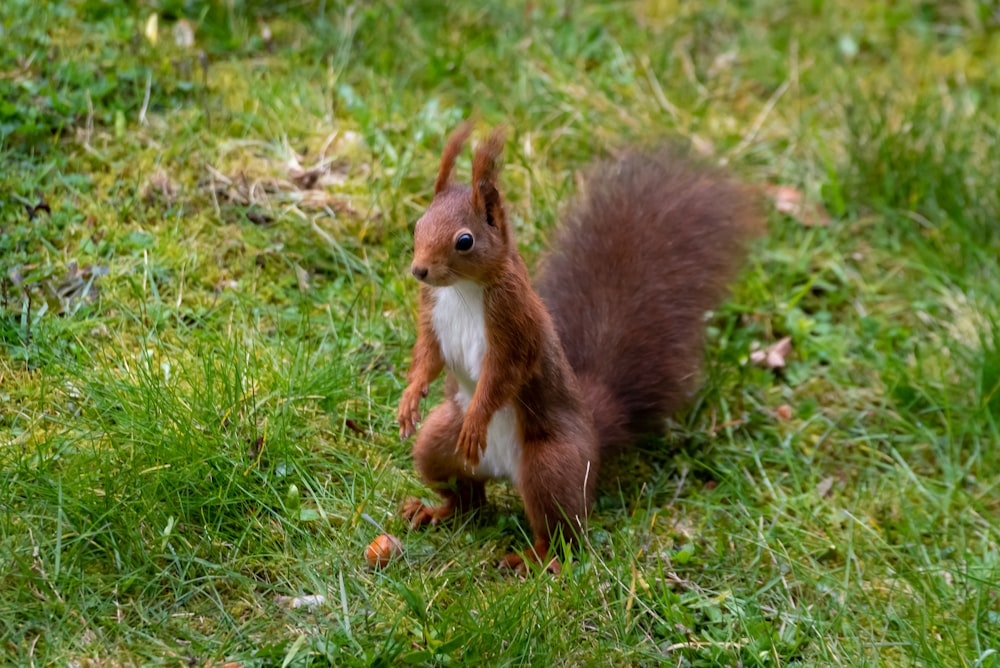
{"x": 463, "y": 234}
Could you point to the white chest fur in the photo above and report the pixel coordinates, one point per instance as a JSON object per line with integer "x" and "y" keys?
{"x": 460, "y": 325}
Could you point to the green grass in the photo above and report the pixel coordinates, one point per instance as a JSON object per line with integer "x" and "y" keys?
{"x": 229, "y": 334}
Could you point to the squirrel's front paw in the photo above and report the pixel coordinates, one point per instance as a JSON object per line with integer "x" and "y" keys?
{"x": 409, "y": 410}
{"x": 472, "y": 440}
{"x": 419, "y": 513}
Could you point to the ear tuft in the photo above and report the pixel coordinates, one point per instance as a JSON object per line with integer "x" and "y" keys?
{"x": 451, "y": 150}
{"x": 486, "y": 172}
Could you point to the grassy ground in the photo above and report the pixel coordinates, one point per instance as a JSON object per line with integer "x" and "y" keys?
{"x": 205, "y": 321}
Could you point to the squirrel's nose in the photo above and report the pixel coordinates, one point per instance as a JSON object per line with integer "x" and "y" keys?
{"x": 419, "y": 272}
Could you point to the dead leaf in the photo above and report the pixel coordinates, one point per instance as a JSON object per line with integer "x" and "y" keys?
{"x": 159, "y": 187}
{"x": 265, "y": 181}
{"x": 266, "y": 36}
{"x": 702, "y": 146}
{"x": 784, "y": 412}
{"x": 309, "y": 601}
{"x": 236, "y": 189}
{"x": 259, "y": 217}
{"x": 151, "y": 31}
{"x": 824, "y": 487}
{"x": 256, "y": 446}
{"x": 16, "y": 275}
{"x": 78, "y": 286}
{"x": 302, "y": 276}
{"x": 33, "y": 210}
{"x": 323, "y": 174}
{"x": 792, "y": 202}
{"x": 321, "y": 199}
{"x": 774, "y": 356}
{"x": 184, "y": 34}
{"x": 723, "y": 62}
{"x": 305, "y": 178}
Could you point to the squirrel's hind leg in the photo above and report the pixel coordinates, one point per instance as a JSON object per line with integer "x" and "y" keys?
{"x": 442, "y": 468}
{"x": 557, "y": 487}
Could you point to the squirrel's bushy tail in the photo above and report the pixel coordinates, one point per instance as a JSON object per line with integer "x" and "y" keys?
{"x": 647, "y": 249}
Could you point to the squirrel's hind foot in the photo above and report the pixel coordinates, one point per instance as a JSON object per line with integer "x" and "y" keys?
{"x": 537, "y": 555}
{"x": 518, "y": 564}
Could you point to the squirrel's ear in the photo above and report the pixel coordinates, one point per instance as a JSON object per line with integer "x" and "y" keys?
{"x": 485, "y": 173}
{"x": 451, "y": 151}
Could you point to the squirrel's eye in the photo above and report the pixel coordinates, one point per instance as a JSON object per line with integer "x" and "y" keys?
{"x": 464, "y": 242}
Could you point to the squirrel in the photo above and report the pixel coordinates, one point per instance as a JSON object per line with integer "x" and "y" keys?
{"x": 544, "y": 382}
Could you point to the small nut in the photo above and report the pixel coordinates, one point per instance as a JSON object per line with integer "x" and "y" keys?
{"x": 381, "y": 550}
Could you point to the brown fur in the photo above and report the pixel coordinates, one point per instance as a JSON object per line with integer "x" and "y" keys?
{"x": 450, "y": 153}
{"x": 426, "y": 366}
{"x": 649, "y": 249}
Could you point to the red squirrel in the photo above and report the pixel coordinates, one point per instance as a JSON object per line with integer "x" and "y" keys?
{"x": 542, "y": 385}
